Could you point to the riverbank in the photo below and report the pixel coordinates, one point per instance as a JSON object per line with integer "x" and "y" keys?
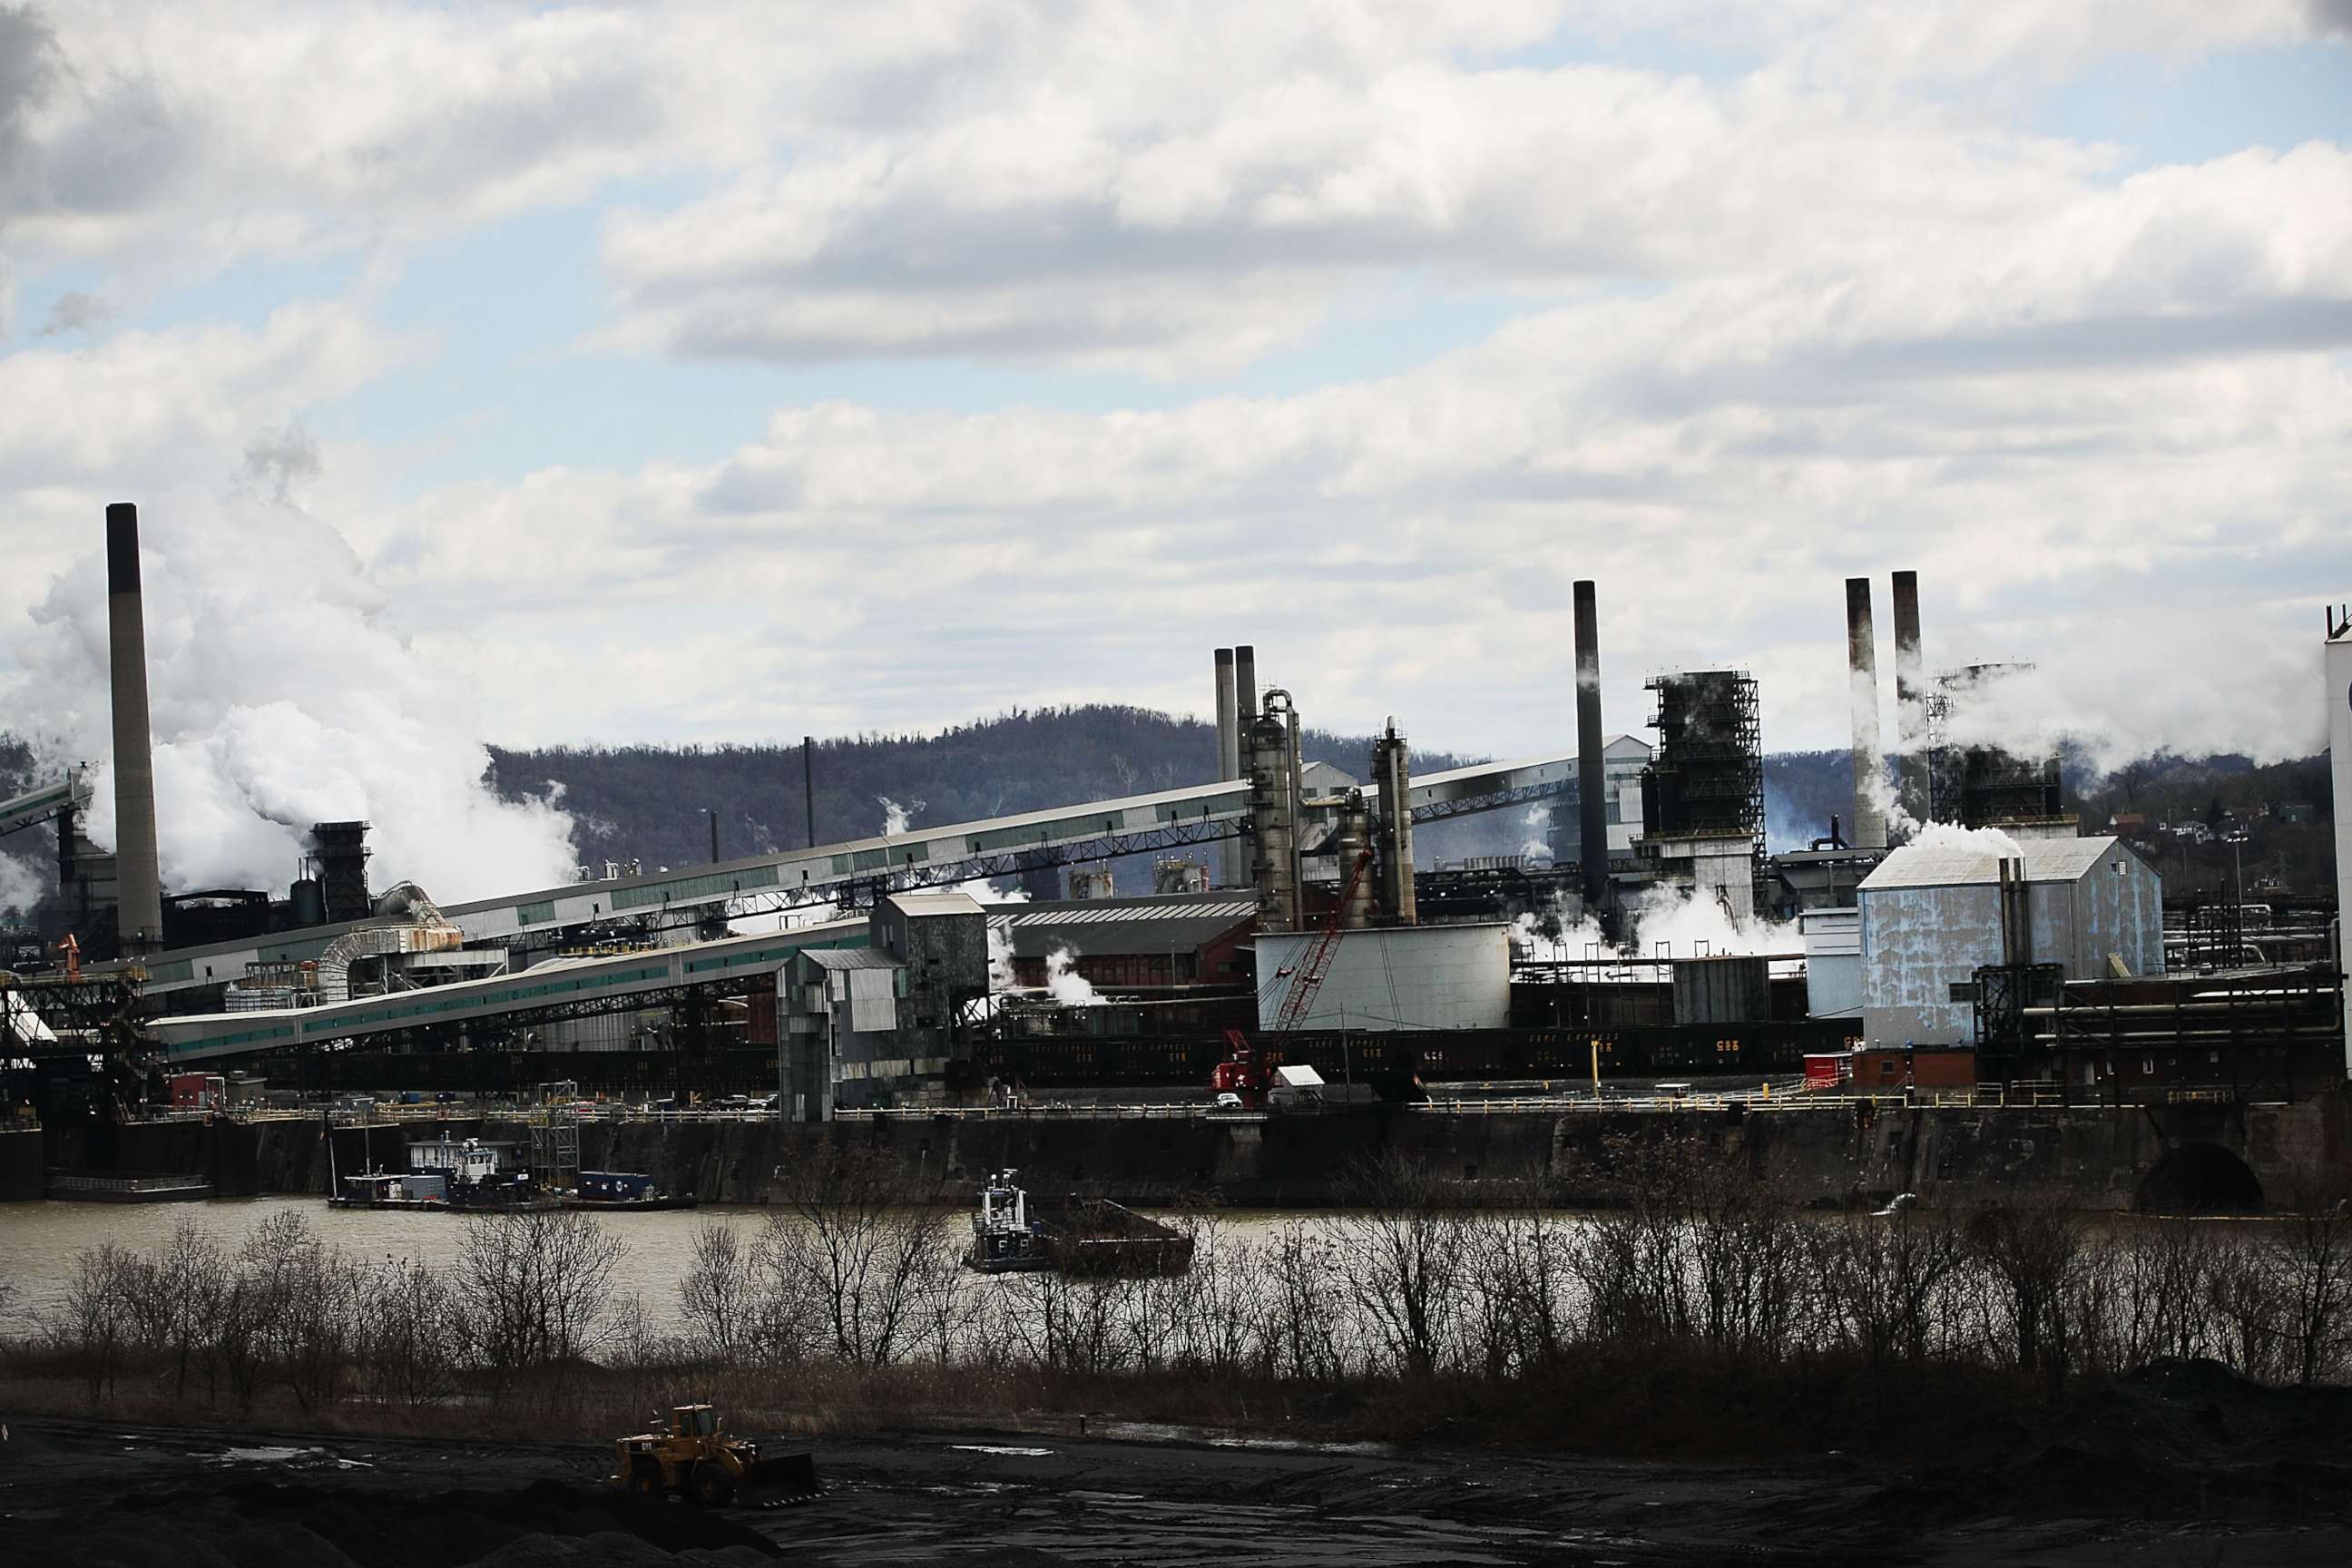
{"x": 2117, "y": 1157}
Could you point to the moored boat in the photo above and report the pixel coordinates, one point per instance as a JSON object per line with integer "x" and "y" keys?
{"x": 614, "y": 1191}
{"x": 1003, "y": 1239}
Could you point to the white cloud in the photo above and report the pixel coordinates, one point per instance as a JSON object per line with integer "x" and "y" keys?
{"x": 1844, "y": 312}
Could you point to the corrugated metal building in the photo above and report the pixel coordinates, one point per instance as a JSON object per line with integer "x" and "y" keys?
{"x": 1931, "y": 916}
{"x": 1120, "y": 944}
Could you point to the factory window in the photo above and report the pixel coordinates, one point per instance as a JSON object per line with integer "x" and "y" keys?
{"x": 1964, "y": 990}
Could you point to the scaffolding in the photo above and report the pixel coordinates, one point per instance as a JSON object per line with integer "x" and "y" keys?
{"x": 1980, "y": 786}
{"x": 1707, "y": 779}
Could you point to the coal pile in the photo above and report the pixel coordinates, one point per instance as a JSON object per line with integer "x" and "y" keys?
{"x": 261, "y": 1524}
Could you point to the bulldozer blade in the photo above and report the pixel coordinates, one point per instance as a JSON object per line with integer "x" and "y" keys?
{"x": 786, "y": 1479}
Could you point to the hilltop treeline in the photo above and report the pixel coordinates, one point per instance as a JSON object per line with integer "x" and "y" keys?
{"x": 648, "y": 801}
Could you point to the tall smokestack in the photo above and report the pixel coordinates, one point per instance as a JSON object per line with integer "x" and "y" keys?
{"x": 1861, "y": 671}
{"x": 1593, "y": 806}
{"x": 1245, "y": 705}
{"x": 139, "y": 901}
{"x": 1232, "y": 854}
{"x": 1910, "y": 703}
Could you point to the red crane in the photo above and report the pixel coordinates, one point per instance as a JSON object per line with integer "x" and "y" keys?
{"x": 1308, "y": 976}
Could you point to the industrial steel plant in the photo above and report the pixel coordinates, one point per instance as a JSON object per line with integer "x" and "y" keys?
{"x": 1956, "y": 985}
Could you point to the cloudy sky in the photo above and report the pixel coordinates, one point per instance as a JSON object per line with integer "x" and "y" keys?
{"x": 699, "y": 372}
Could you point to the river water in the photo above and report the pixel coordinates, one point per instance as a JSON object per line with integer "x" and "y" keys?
{"x": 39, "y": 1241}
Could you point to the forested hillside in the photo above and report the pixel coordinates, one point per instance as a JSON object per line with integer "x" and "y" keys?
{"x": 647, "y": 802}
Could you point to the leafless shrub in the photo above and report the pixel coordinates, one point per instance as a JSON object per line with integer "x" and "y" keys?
{"x": 716, "y": 1295}
{"x": 1886, "y": 1283}
{"x": 93, "y": 1326}
{"x": 539, "y": 1288}
{"x": 1401, "y": 1266}
{"x": 854, "y": 1250}
{"x": 413, "y": 1334}
{"x": 2311, "y": 1255}
{"x": 2032, "y": 1251}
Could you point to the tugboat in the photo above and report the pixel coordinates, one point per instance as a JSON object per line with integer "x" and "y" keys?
{"x": 1003, "y": 1241}
{"x": 623, "y": 1191}
{"x": 477, "y": 1179}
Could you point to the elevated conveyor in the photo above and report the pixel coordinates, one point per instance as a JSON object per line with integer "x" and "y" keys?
{"x": 561, "y": 987}
{"x": 923, "y": 857}
{"x": 70, "y": 794}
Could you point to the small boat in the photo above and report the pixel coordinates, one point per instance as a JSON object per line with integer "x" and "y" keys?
{"x": 508, "y": 1192}
{"x": 390, "y": 1190}
{"x": 1077, "y": 1235}
{"x": 623, "y": 1191}
{"x": 1003, "y": 1240}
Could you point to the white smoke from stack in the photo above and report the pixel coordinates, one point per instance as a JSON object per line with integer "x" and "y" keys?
{"x": 1689, "y": 926}
{"x": 1070, "y": 988}
{"x": 280, "y": 696}
{"x": 1941, "y": 836}
{"x": 1000, "y": 956}
{"x": 896, "y": 819}
{"x": 21, "y": 885}
{"x": 2111, "y": 700}
{"x": 1537, "y": 823}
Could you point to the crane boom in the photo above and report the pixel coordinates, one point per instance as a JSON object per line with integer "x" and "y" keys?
{"x": 1311, "y": 970}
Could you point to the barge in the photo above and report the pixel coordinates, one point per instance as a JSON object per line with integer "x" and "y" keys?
{"x": 1092, "y": 1238}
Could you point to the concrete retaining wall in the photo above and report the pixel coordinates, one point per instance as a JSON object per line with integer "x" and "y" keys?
{"x": 2299, "y": 1153}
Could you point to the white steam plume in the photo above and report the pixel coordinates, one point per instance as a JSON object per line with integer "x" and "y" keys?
{"x": 1070, "y": 988}
{"x": 895, "y": 818}
{"x": 21, "y": 885}
{"x": 1685, "y": 924}
{"x": 279, "y": 697}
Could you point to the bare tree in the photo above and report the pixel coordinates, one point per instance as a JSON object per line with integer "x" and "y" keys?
{"x": 1402, "y": 1249}
{"x": 413, "y": 1334}
{"x": 1887, "y": 1282}
{"x": 93, "y": 1325}
{"x": 716, "y": 1292}
{"x": 2313, "y": 1261}
{"x": 2032, "y": 1249}
{"x": 866, "y": 1256}
{"x": 539, "y": 1290}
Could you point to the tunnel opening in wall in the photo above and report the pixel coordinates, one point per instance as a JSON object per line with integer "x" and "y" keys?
{"x": 2199, "y": 1178}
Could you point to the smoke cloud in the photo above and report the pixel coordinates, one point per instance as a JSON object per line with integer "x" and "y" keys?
{"x": 1668, "y": 921}
{"x": 280, "y": 696}
{"x": 1070, "y": 988}
{"x": 22, "y": 884}
{"x": 896, "y": 819}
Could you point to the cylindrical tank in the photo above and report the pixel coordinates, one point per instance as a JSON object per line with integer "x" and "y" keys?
{"x": 1352, "y": 843}
{"x": 309, "y": 902}
{"x": 1392, "y": 779}
{"x": 1273, "y": 823}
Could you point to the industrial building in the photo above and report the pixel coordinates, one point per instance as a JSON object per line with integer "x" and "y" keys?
{"x": 1287, "y": 902}
{"x": 1932, "y": 918}
{"x": 1132, "y": 944}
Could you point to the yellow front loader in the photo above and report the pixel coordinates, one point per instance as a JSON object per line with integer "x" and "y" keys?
{"x": 694, "y": 1457}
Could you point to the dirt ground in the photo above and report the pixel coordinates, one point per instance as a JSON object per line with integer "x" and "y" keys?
{"x": 2150, "y": 1481}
